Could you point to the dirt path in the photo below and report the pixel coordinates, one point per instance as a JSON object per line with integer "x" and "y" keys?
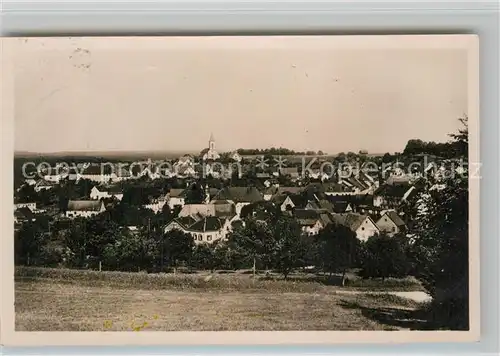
{"x": 417, "y": 296}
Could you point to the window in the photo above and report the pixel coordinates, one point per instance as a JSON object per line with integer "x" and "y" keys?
{"x": 385, "y": 219}
{"x": 209, "y": 237}
{"x": 393, "y": 229}
{"x": 363, "y": 229}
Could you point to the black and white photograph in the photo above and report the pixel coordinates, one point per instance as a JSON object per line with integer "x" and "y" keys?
{"x": 251, "y": 183}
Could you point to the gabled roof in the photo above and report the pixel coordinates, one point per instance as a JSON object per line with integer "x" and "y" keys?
{"x": 177, "y": 193}
{"x": 207, "y": 224}
{"x": 325, "y": 205}
{"x": 351, "y": 220}
{"x": 307, "y": 217}
{"x": 239, "y": 194}
{"x": 394, "y": 217}
{"x": 24, "y": 213}
{"x": 44, "y": 183}
{"x": 84, "y": 205}
{"x": 283, "y": 190}
{"x": 202, "y": 210}
{"x": 340, "y": 206}
{"x": 213, "y": 191}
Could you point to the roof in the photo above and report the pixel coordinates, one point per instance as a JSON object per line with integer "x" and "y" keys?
{"x": 395, "y": 218}
{"x": 176, "y": 192}
{"x": 209, "y": 223}
{"x": 44, "y": 183}
{"x": 24, "y": 213}
{"x": 340, "y": 206}
{"x": 307, "y": 217}
{"x": 262, "y": 175}
{"x": 212, "y": 191}
{"x": 202, "y": 210}
{"x": 239, "y": 194}
{"x": 84, "y": 205}
{"x": 283, "y": 190}
{"x": 351, "y": 220}
{"x": 392, "y": 190}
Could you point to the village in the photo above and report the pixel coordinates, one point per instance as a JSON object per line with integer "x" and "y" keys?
{"x": 364, "y": 203}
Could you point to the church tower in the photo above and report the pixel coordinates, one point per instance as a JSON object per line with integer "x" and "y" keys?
{"x": 211, "y": 142}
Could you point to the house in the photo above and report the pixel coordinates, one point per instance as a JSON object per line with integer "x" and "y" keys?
{"x": 208, "y": 229}
{"x": 84, "y": 208}
{"x": 342, "y": 206}
{"x": 287, "y": 202}
{"x": 239, "y": 196}
{"x": 30, "y": 206}
{"x": 320, "y": 204}
{"x": 23, "y": 214}
{"x": 156, "y": 205}
{"x": 176, "y": 197}
{"x": 311, "y": 221}
{"x": 43, "y": 185}
{"x": 221, "y": 209}
{"x": 104, "y": 193}
{"x": 335, "y": 189}
{"x": 292, "y": 172}
{"x": 391, "y": 223}
{"x": 273, "y": 191}
{"x": 235, "y": 156}
{"x": 389, "y": 195}
{"x": 362, "y": 225}
{"x": 30, "y": 181}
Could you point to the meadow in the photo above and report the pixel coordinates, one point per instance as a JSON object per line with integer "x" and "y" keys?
{"x": 74, "y": 300}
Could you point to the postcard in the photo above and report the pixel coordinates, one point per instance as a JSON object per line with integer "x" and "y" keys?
{"x": 240, "y": 190}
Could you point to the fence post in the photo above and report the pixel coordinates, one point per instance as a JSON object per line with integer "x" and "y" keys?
{"x": 100, "y": 266}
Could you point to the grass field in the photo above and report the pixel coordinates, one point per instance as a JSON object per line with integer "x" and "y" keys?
{"x": 65, "y": 300}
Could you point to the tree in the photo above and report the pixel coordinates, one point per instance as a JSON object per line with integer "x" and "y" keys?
{"x": 338, "y": 248}
{"x": 203, "y": 257}
{"x": 195, "y": 194}
{"x": 441, "y": 245}
{"x": 461, "y": 138}
{"x": 385, "y": 256}
{"x": 386, "y": 158}
{"x": 176, "y": 247}
{"x": 441, "y": 251}
{"x": 253, "y": 241}
{"x": 286, "y": 249}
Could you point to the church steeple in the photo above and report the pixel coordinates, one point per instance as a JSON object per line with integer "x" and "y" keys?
{"x": 211, "y": 142}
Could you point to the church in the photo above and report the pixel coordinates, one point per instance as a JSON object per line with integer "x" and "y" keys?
{"x": 210, "y": 153}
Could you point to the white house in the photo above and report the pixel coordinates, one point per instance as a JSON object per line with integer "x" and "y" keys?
{"x": 235, "y": 156}
{"x": 156, "y": 205}
{"x": 96, "y": 194}
{"x": 176, "y": 197}
{"x": 311, "y": 221}
{"x": 31, "y": 206}
{"x": 362, "y": 225}
{"x": 206, "y": 230}
{"x": 84, "y": 208}
{"x": 391, "y": 223}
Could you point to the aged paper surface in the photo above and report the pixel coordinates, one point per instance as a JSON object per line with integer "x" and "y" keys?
{"x": 290, "y": 110}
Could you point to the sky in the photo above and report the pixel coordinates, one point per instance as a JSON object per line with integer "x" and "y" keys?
{"x": 170, "y": 94}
